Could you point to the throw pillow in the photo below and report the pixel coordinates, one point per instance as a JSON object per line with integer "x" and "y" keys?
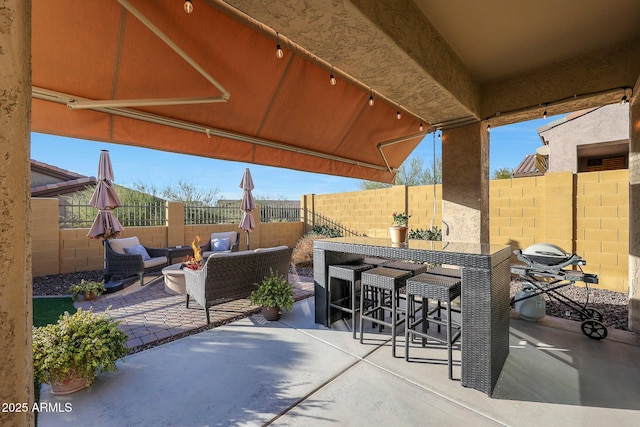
{"x": 220, "y": 244}
{"x": 138, "y": 250}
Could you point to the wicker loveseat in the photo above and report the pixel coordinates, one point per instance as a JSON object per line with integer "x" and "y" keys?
{"x": 230, "y": 276}
{"x": 123, "y": 264}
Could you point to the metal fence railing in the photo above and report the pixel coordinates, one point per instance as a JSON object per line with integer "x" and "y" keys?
{"x": 194, "y": 214}
{"x": 278, "y": 213}
{"x": 82, "y": 215}
{"x": 232, "y": 214}
{"x": 323, "y": 221}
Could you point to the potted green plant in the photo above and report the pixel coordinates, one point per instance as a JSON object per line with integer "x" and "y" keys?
{"x": 70, "y": 353}
{"x": 398, "y": 228}
{"x": 273, "y": 294}
{"x": 89, "y": 290}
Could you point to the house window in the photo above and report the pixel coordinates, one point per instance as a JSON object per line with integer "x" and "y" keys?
{"x": 606, "y": 164}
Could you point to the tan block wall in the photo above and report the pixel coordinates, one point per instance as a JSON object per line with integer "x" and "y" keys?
{"x": 79, "y": 253}
{"x": 585, "y": 213}
{"x": 44, "y": 235}
{"x": 69, "y": 250}
{"x": 175, "y": 217}
{"x": 420, "y": 207}
{"x": 365, "y": 212}
{"x": 277, "y": 234}
{"x": 602, "y": 226}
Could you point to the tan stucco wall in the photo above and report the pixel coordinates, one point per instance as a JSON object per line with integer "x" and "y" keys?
{"x": 609, "y": 123}
{"x": 465, "y": 208}
{"x": 634, "y": 208}
{"x": 16, "y": 375}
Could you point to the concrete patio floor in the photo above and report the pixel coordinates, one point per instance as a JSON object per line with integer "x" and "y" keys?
{"x": 295, "y": 372}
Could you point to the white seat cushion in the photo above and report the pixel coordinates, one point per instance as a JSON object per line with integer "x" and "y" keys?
{"x": 118, "y": 245}
{"x": 231, "y": 235}
{"x": 276, "y": 248}
{"x": 153, "y": 262}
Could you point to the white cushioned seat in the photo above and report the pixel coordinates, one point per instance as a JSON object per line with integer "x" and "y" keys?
{"x": 126, "y": 256}
{"x": 118, "y": 245}
{"x": 154, "y": 262}
{"x": 277, "y": 248}
{"x": 233, "y": 240}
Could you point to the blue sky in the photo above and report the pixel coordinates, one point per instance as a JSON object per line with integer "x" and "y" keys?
{"x": 509, "y": 145}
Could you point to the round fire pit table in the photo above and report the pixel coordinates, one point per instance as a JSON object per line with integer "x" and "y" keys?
{"x": 174, "y": 279}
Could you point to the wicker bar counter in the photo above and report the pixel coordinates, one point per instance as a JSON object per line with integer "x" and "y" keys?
{"x": 484, "y": 299}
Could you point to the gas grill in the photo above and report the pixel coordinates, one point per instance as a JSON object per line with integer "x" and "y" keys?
{"x": 545, "y": 272}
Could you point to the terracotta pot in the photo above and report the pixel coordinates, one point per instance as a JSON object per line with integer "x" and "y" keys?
{"x": 271, "y": 313}
{"x": 398, "y": 233}
{"x": 89, "y": 296}
{"x": 70, "y": 384}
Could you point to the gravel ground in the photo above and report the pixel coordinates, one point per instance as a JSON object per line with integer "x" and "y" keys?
{"x": 613, "y": 305}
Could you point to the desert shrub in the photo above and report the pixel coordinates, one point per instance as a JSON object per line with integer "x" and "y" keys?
{"x": 302, "y": 255}
{"x": 326, "y": 231}
{"x": 419, "y": 234}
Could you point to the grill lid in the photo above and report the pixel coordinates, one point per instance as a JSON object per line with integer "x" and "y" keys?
{"x": 546, "y": 253}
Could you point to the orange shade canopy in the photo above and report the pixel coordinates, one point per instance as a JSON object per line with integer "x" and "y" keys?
{"x": 207, "y": 83}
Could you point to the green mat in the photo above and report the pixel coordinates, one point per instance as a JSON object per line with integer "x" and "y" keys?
{"x": 48, "y": 310}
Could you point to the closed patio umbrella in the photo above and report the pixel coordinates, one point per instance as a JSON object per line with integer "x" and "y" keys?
{"x": 247, "y": 205}
{"x": 105, "y": 199}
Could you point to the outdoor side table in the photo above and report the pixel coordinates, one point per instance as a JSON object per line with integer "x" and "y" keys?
{"x": 178, "y": 253}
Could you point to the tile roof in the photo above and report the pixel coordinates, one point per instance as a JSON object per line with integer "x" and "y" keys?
{"x": 527, "y": 167}
{"x": 70, "y": 182}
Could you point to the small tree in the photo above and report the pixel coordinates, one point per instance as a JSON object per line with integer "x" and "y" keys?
{"x": 503, "y": 173}
{"x": 189, "y": 194}
{"x": 413, "y": 173}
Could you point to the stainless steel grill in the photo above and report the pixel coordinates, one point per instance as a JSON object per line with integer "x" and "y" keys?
{"x": 545, "y": 269}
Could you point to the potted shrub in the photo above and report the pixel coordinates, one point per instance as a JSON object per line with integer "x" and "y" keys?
{"x": 273, "y": 294}
{"x": 70, "y": 353}
{"x": 398, "y": 229}
{"x": 89, "y": 290}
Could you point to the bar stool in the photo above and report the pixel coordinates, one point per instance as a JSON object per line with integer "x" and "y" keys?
{"x": 380, "y": 281}
{"x": 440, "y": 288}
{"x": 348, "y": 304}
{"x": 446, "y": 271}
{"x": 413, "y": 267}
{"x": 375, "y": 261}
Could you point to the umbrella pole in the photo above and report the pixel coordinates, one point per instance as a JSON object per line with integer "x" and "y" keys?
{"x": 248, "y": 240}
{"x": 104, "y": 262}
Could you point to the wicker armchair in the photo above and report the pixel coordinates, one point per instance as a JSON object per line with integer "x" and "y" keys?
{"x": 234, "y": 243}
{"x": 228, "y": 276}
{"x": 120, "y": 263}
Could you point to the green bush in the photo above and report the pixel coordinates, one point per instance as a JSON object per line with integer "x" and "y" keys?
{"x": 419, "y": 234}
{"x": 274, "y": 291}
{"x": 326, "y": 231}
{"x": 85, "y": 286}
{"x": 84, "y": 343}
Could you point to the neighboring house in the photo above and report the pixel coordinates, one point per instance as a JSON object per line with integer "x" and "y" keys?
{"x": 585, "y": 141}
{"x": 51, "y": 181}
